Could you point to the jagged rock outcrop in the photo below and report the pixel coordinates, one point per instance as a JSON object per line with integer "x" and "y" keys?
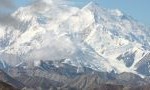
{"x": 5, "y": 86}
{"x": 4, "y": 77}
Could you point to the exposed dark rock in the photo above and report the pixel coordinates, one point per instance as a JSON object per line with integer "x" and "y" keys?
{"x": 128, "y": 79}
{"x": 34, "y": 82}
{"x": 128, "y": 58}
{"x": 143, "y": 66}
{"x": 7, "y": 79}
{"x": 5, "y": 86}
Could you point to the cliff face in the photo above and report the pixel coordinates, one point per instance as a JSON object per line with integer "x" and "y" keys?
{"x": 4, "y": 77}
{"x": 5, "y": 86}
{"x": 82, "y": 81}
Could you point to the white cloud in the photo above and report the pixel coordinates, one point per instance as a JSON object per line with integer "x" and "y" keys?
{"x": 54, "y": 48}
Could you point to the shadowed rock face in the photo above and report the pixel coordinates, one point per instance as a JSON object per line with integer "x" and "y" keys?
{"x": 94, "y": 82}
{"x": 82, "y": 81}
{"x": 99, "y": 87}
{"x": 65, "y": 77}
{"x": 128, "y": 58}
{"x": 90, "y": 82}
{"x": 4, "y": 77}
{"x": 143, "y": 65}
{"x": 128, "y": 79}
{"x": 35, "y": 82}
{"x": 145, "y": 87}
{"x": 5, "y": 86}
{"x": 125, "y": 81}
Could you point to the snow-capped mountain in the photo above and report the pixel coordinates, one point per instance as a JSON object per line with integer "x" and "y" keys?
{"x": 94, "y": 37}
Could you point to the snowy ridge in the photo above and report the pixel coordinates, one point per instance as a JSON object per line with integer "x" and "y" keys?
{"x": 94, "y": 37}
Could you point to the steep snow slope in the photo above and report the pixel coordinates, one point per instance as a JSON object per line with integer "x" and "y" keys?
{"x": 117, "y": 36}
{"x": 98, "y": 38}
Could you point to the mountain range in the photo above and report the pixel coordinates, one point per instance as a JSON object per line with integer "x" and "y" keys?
{"x": 51, "y": 44}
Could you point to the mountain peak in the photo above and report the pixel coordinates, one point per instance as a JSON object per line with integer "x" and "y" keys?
{"x": 102, "y": 31}
{"x": 91, "y": 4}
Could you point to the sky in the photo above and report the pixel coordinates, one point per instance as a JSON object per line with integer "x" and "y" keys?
{"x": 138, "y": 9}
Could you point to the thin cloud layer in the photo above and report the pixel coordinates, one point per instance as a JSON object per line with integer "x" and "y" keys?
{"x": 5, "y": 10}
{"x": 6, "y": 19}
{"x": 7, "y": 7}
{"x": 7, "y": 4}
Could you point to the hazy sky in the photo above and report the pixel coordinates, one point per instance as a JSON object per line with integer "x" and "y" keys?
{"x": 138, "y": 9}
